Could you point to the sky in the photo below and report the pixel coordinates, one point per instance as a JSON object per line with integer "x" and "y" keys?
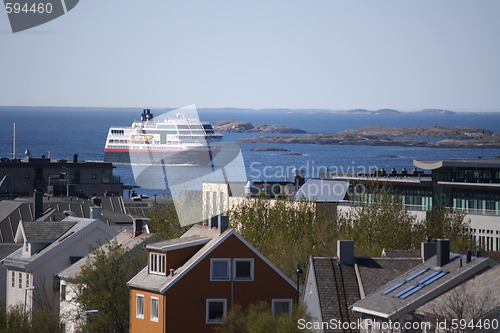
{"x": 333, "y": 54}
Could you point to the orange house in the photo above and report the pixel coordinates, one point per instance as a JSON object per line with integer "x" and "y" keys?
{"x": 191, "y": 282}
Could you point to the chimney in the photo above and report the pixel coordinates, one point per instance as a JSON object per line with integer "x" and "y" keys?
{"x": 468, "y": 255}
{"x": 429, "y": 250}
{"x": 140, "y": 226}
{"x": 219, "y": 221}
{"x": 345, "y": 252}
{"x": 95, "y": 212}
{"x": 75, "y": 158}
{"x": 38, "y": 204}
{"x": 172, "y": 272}
{"x": 443, "y": 252}
{"x": 298, "y": 177}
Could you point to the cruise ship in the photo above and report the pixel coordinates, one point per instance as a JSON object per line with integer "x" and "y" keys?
{"x": 174, "y": 139}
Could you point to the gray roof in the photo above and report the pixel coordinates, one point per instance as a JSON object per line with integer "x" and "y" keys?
{"x": 337, "y": 289}
{"x": 16, "y": 259}
{"x": 8, "y": 185}
{"x": 125, "y": 239}
{"x": 401, "y": 253}
{"x": 322, "y": 190}
{"x": 338, "y": 285}
{"x": 390, "y": 307}
{"x": 45, "y": 231}
{"x": 376, "y": 272}
{"x": 486, "y": 285}
{"x": 459, "y": 162}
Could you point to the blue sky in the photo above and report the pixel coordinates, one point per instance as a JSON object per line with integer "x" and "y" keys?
{"x": 342, "y": 54}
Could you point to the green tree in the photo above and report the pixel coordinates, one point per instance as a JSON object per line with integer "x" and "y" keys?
{"x": 378, "y": 220}
{"x": 164, "y": 221}
{"x": 448, "y": 223}
{"x": 258, "y": 318}
{"x": 102, "y": 285}
{"x": 285, "y": 231}
{"x": 17, "y": 320}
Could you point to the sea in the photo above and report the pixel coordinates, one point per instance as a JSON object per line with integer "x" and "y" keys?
{"x": 62, "y": 132}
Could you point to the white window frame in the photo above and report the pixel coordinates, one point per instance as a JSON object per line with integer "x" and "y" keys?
{"x": 280, "y": 300}
{"x": 213, "y": 300}
{"x": 251, "y": 261}
{"x": 137, "y": 313}
{"x": 155, "y": 318}
{"x": 157, "y": 263}
{"x": 228, "y": 263}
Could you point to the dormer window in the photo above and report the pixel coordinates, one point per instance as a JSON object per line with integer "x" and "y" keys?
{"x": 157, "y": 263}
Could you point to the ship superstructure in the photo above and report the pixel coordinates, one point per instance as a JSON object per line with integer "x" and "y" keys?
{"x": 169, "y": 140}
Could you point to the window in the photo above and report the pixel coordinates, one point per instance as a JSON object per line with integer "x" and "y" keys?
{"x": 281, "y": 306}
{"x": 243, "y": 269}
{"x": 139, "y": 306}
{"x": 216, "y": 309}
{"x": 20, "y": 280}
{"x": 154, "y": 309}
{"x": 219, "y": 269}
{"x": 27, "y": 280}
{"x": 156, "y": 263}
{"x": 63, "y": 292}
{"x": 13, "y": 279}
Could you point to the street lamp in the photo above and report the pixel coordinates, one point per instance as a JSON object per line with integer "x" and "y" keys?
{"x": 299, "y": 272}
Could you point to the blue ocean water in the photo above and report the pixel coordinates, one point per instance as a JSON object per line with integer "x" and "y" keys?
{"x": 63, "y": 132}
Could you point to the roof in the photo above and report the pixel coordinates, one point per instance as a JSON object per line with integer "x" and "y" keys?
{"x": 8, "y": 185}
{"x": 125, "y": 239}
{"x": 339, "y": 286}
{"x": 45, "y": 231}
{"x": 376, "y": 272}
{"x": 401, "y": 253}
{"x": 161, "y": 283}
{"x": 395, "y": 298}
{"x": 16, "y": 259}
{"x": 178, "y": 243}
{"x": 484, "y": 287}
{"x": 322, "y": 190}
{"x": 337, "y": 289}
{"x": 459, "y": 162}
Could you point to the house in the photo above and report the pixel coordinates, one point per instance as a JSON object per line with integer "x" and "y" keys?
{"x": 334, "y": 284}
{"x": 47, "y": 248}
{"x": 70, "y": 312}
{"x": 399, "y": 301}
{"x": 44, "y": 209}
{"x": 191, "y": 282}
{"x": 476, "y": 300}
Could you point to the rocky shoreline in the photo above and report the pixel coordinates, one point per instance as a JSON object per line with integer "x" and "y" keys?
{"x": 234, "y": 126}
{"x": 449, "y": 137}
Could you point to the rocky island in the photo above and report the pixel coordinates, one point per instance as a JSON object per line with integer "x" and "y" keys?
{"x": 234, "y": 126}
{"x": 449, "y": 137}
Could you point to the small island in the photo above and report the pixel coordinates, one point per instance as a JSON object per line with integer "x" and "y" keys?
{"x": 268, "y": 149}
{"x": 449, "y": 137}
{"x": 234, "y": 126}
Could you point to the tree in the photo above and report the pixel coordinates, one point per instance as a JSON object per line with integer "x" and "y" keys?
{"x": 285, "y": 231}
{"x": 17, "y": 320}
{"x": 379, "y": 221}
{"x": 102, "y": 285}
{"x": 447, "y": 223}
{"x": 258, "y": 318}
{"x": 164, "y": 221}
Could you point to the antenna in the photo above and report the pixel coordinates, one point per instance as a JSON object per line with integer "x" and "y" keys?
{"x": 14, "y": 142}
